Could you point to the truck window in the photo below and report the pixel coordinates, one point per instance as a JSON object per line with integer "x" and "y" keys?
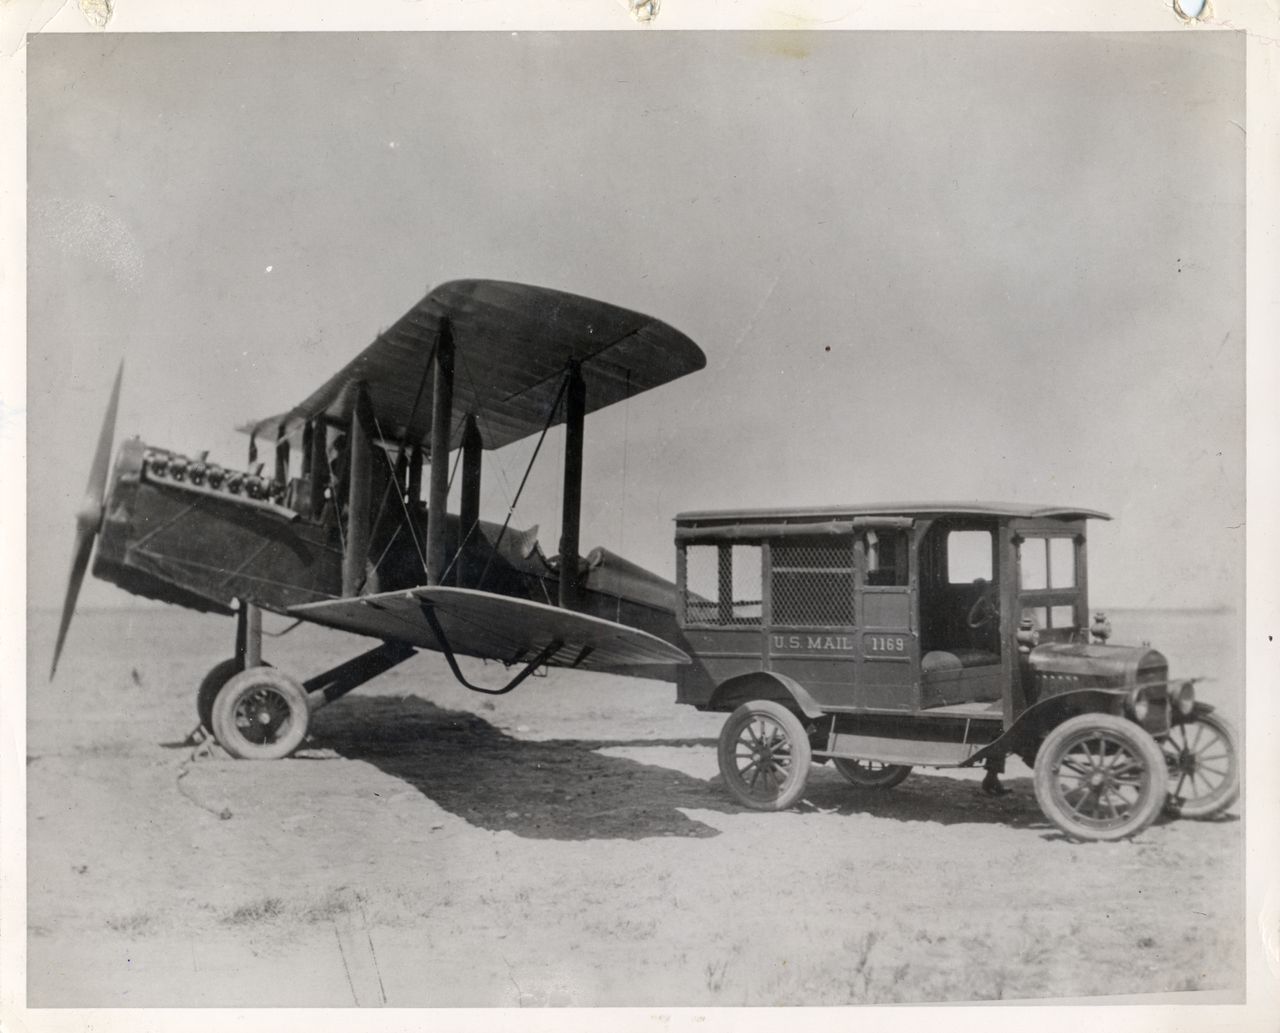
{"x": 887, "y": 553}
{"x": 811, "y": 582}
{"x": 968, "y": 557}
{"x": 722, "y": 584}
{"x": 1046, "y": 563}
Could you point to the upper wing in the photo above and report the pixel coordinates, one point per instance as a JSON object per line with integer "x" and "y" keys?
{"x": 495, "y": 627}
{"x": 511, "y": 342}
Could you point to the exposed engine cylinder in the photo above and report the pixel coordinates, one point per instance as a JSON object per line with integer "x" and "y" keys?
{"x": 161, "y": 465}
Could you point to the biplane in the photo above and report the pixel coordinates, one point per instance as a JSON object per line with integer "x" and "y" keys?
{"x": 337, "y": 533}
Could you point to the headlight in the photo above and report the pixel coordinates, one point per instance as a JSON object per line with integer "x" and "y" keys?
{"x": 1141, "y": 706}
{"x": 1185, "y": 699}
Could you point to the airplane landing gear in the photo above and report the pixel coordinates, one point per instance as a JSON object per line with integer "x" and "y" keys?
{"x": 256, "y": 712}
{"x": 261, "y": 714}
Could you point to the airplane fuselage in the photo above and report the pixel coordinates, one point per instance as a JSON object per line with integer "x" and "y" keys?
{"x": 194, "y": 534}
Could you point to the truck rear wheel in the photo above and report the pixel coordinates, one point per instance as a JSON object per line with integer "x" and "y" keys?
{"x": 871, "y": 774}
{"x": 764, "y": 756}
{"x": 1100, "y": 777}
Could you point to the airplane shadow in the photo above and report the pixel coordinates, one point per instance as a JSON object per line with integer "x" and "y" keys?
{"x": 548, "y": 789}
{"x": 565, "y": 789}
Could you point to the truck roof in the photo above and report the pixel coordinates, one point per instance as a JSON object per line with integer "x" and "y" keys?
{"x": 906, "y": 509}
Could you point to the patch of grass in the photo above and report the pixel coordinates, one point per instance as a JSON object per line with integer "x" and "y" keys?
{"x": 328, "y": 907}
{"x": 858, "y": 974}
{"x": 133, "y": 923}
{"x": 263, "y": 910}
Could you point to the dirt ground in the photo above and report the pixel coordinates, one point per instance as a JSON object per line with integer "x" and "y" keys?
{"x": 568, "y": 844}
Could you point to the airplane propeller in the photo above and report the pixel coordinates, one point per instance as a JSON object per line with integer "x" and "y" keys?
{"x": 89, "y": 516}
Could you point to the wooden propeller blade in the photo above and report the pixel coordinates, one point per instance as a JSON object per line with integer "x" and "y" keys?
{"x": 79, "y": 564}
{"x": 96, "y": 488}
{"x": 89, "y": 517}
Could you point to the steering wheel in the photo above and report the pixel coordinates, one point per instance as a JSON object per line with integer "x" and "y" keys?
{"x": 984, "y": 609}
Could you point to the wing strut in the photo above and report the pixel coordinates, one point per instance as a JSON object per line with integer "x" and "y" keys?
{"x": 469, "y": 510}
{"x": 545, "y": 654}
{"x": 360, "y": 459}
{"x": 441, "y": 421}
{"x": 571, "y": 511}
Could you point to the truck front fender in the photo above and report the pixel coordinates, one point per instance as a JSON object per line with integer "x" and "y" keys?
{"x": 1033, "y": 723}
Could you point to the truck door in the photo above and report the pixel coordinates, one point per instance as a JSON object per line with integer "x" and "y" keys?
{"x": 888, "y": 653}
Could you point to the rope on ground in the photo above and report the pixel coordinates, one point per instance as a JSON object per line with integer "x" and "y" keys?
{"x": 203, "y": 749}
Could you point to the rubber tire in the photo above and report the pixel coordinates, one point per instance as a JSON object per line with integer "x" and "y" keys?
{"x": 229, "y": 735}
{"x": 1153, "y": 792}
{"x": 886, "y": 778}
{"x": 1224, "y": 796}
{"x": 801, "y": 755}
{"x": 218, "y": 676}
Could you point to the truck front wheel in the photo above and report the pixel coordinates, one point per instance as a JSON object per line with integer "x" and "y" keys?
{"x": 1204, "y": 766}
{"x": 1100, "y": 777}
{"x": 765, "y": 756}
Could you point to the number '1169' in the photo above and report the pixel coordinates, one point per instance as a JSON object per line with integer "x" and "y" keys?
{"x": 886, "y": 643}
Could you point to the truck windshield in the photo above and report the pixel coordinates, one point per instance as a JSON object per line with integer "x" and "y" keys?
{"x": 1047, "y": 582}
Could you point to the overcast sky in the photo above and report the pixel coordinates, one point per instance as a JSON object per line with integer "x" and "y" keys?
{"x": 922, "y": 266}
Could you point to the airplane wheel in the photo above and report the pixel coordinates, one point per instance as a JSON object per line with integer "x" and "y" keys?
{"x": 764, "y": 756}
{"x": 260, "y": 714}
{"x": 218, "y": 676}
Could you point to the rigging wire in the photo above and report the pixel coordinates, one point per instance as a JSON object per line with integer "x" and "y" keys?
{"x": 525, "y": 479}
{"x": 461, "y": 360}
{"x": 401, "y": 492}
{"x": 454, "y": 472}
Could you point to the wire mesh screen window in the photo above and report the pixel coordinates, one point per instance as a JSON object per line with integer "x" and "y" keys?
{"x": 723, "y": 584}
{"x": 812, "y": 583}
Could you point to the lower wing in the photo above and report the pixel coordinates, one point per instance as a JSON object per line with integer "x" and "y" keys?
{"x": 494, "y": 627}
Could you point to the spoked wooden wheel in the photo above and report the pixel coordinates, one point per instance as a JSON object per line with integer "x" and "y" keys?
{"x": 1100, "y": 777}
{"x": 1204, "y": 766}
{"x": 764, "y": 756}
{"x": 871, "y": 774}
{"x": 260, "y": 714}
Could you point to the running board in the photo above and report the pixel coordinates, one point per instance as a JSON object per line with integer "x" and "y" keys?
{"x": 899, "y": 751}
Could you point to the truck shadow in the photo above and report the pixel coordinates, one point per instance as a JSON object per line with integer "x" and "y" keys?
{"x": 566, "y": 789}
{"x": 928, "y": 797}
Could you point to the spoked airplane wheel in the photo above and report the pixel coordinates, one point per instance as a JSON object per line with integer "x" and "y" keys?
{"x": 1100, "y": 777}
{"x": 764, "y": 756}
{"x": 1204, "y": 766}
{"x": 871, "y": 774}
{"x": 260, "y": 714}
{"x": 218, "y": 676}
